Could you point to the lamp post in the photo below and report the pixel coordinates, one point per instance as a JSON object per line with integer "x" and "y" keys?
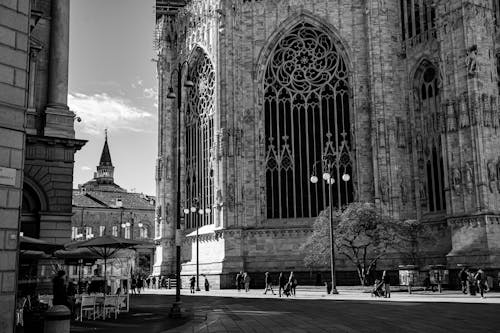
{"x": 195, "y": 208}
{"x": 332, "y": 161}
{"x": 176, "y": 307}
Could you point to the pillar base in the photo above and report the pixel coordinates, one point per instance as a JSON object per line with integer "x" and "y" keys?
{"x": 59, "y": 122}
{"x": 176, "y": 310}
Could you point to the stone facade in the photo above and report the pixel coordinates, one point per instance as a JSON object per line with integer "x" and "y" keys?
{"x": 37, "y": 143}
{"x": 402, "y": 145}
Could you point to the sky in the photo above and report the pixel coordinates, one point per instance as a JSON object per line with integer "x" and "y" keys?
{"x": 113, "y": 85}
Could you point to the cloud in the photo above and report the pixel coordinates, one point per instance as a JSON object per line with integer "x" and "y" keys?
{"x": 86, "y": 168}
{"x": 100, "y": 111}
{"x": 150, "y": 93}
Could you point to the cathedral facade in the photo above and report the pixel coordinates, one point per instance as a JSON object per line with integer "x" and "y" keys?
{"x": 398, "y": 99}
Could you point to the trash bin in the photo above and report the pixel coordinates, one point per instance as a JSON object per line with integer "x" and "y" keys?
{"x": 57, "y": 319}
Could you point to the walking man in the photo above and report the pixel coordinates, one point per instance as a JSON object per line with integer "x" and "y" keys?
{"x": 387, "y": 284}
{"x": 192, "y": 282}
{"x": 246, "y": 281}
{"x": 269, "y": 284}
{"x": 463, "y": 280}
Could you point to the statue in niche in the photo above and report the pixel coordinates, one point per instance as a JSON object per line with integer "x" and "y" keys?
{"x": 381, "y": 134}
{"x": 230, "y": 195}
{"x": 469, "y": 180}
{"x": 416, "y": 100}
{"x": 384, "y": 190}
{"x": 494, "y": 113}
{"x": 419, "y": 142}
{"x": 464, "y": 112}
{"x": 219, "y": 201}
{"x": 486, "y": 108}
{"x": 471, "y": 60}
{"x": 400, "y": 133}
{"x": 498, "y": 175}
{"x": 158, "y": 213}
{"x": 456, "y": 180}
{"x": 422, "y": 193}
{"x": 492, "y": 175}
{"x": 451, "y": 117}
{"x": 168, "y": 168}
{"x": 403, "y": 186}
{"x": 167, "y": 209}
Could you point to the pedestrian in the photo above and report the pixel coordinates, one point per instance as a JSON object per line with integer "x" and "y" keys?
{"x": 133, "y": 285}
{"x": 246, "y": 281}
{"x": 281, "y": 283}
{"x": 207, "y": 284}
{"x": 192, "y": 282}
{"x": 269, "y": 283}
{"x": 480, "y": 277}
{"x": 237, "y": 281}
{"x": 148, "y": 281}
{"x": 387, "y": 284}
{"x": 463, "y": 279}
{"x": 154, "y": 282}
{"x": 60, "y": 296}
{"x": 293, "y": 283}
{"x": 140, "y": 284}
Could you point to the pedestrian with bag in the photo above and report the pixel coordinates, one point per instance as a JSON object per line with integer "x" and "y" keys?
{"x": 480, "y": 278}
{"x": 246, "y": 281}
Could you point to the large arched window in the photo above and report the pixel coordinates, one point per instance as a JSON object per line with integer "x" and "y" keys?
{"x": 306, "y": 105}
{"x": 199, "y": 139}
{"x": 429, "y": 140}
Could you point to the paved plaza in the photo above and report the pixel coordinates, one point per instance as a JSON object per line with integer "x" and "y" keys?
{"x": 310, "y": 311}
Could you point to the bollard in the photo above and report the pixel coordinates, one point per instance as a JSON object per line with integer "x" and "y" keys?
{"x": 57, "y": 319}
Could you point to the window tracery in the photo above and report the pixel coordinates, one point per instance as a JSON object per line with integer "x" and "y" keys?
{"x": 306, "y": 105}
{"x": 199, "y": 138}
{"x": 417, "y": 21}
{"x": 429, "y": 147}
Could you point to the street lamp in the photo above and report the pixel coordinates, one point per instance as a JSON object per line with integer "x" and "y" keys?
{"x": 175, "y": 311}
{"x": 196, "y": 208}
{"x": 332, "y": 161}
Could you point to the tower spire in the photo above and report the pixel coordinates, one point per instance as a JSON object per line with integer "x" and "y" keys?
{"x": 105, "y": 169}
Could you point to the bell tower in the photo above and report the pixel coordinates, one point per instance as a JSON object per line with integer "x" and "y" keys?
{"x": 105, "y": 169}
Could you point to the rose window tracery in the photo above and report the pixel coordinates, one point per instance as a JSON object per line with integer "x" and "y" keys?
{"x": 306, "y": 106}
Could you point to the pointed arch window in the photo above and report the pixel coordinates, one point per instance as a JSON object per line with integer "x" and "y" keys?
{"x": 429, "y": 146}
{"x": 306, "y": 107}
{"x": 199, "y": 138}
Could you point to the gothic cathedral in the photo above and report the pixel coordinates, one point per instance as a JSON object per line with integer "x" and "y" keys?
{"x": 401, "y": 94}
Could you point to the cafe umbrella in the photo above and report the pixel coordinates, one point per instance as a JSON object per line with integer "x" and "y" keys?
{"x": 107, "y": 246}
{"x": 34, "y": 244}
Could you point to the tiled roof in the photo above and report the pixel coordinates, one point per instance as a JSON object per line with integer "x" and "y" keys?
{"x": 107, "y": 199}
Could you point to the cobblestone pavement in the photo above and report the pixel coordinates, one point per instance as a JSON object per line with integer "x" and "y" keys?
{"x": 310, "y": 311}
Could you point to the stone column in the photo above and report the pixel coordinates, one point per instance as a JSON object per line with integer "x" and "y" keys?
{"x": 59, "y": 119}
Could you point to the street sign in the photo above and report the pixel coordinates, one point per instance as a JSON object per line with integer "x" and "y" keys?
{"x": 7, "y": 176}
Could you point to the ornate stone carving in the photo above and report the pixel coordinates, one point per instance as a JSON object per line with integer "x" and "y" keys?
{"x": 492, "y": 175}
{"x": 219, "y": 200}
{"x": 384, "y": 190}
{"x": 400, "y": 132}
{"x": 381, "y": 133}
{"x": 403, "y": 187}
{"x": 158, "y": 213}
{"x": 456, "y": 181}
{"x": 464, "y": 112}
{"x": 471, "y": 61}
{"x": 469, "y": 178}
{"x": 168, "y": 168}
{"x": 486, "y": 109}
{"x": 451, "y": 124}
{"x": 422, "y": 193}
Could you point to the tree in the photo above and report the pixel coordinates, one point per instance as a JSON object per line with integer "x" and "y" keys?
{"x": 362, "y": 234}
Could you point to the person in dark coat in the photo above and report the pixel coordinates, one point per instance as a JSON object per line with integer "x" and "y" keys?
{"x": 192, "y": 282}
{"x": 387, "y": 284}
{"x": 207, "y": 284}
{"x": 463, "y": 280}
{"x": 59, "y": 289}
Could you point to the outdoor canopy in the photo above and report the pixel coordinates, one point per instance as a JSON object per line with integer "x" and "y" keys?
{"x": 34, "y": 244}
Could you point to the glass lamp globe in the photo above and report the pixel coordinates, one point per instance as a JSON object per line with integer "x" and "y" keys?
{"x": 331, "y": 181}
{"x": 207, "y": 210}
{"x": 200, "y": 211}
{"x": 186, "y": 211}
{"x": 193, "y": 209}
{"x": 127, "y": 224}
{"x": 326, "y": 176}
{"x": 140, "y": 224}
{"x": 123, "y": 225}
{"x": 314, "y": 179}
{"x": 346, "y": 177}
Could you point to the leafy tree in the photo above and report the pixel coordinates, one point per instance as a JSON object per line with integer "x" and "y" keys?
{"x": 362, "y": 234}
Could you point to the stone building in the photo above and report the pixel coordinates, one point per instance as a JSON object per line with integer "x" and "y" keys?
{"x": 101, "y": 207}
{"x": 400, "y": 95}
{"x": 37, "y": 138}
